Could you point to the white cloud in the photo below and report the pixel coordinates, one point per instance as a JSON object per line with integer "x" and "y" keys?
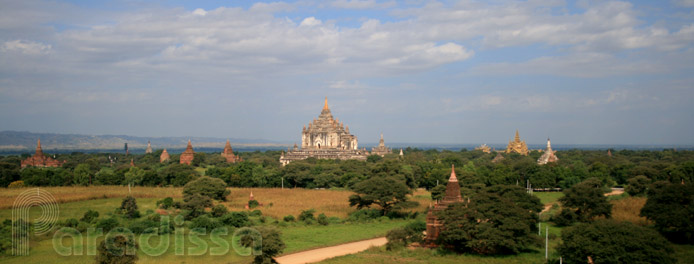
{"x": 362, "y": 4}
{"x": 199, "y": 12}
{"x": 26, "y": 47}
{"x": 310, "y": 21}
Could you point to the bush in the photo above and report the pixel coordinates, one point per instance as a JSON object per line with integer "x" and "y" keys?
{"x": 235, "y": 219}
{"x": 219, "y": 210}
{"x": 165, "y": 203}
{"x": 16, "y": 184}
{"x": 256, "y": 213}
{"x": 272, "y": 244}
{"x": 364, "y": 215}
{"x": 196, "y": 205}
{"x": 204, "y": 222}
{"x": 566, "y": 217}
{"x": 637, "y": 185}
{"x": 129, "y": 207}
{"x": 206, "y": 186}
{"x": 401, "y": 237}
{"x": 89, "y": 216}
{"x": 120, "y": 249}
{"x": 306, "y": 215}
{"x": 587, "y": 200}
{"x": 72, "y": 222}
{"x": 139, "y": 227}
{"x": 107, "y": 224}
{"x": 322, "y": 219}
{"x": 253, "y": 204}
{"x": 607, "y": 241}
{"x": 289, "y": 218}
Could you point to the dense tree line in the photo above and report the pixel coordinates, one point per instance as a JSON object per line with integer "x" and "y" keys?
{"x": 418, "y": 168}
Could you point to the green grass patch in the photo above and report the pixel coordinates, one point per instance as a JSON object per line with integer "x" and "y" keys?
{"x": 301, "y": 238}
{"x": 548, "y": 197}
{"x": 77, "y": 209}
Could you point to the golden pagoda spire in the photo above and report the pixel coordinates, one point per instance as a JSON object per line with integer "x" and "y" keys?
{"x": 517, "y": 138}
{"x": 325, "y": 107}
{"x": 453, "y": 178}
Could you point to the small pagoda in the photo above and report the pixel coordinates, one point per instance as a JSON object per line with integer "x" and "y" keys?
{"x": 228, "y": 154}
{"x": 381, "y": 150}
{"x": 548, "y": 156}
{"x": 434, "y": 224}
{"x": 40, "y": 160}
{"x": 188, "y": 155}
{"x": 164, "y": 157}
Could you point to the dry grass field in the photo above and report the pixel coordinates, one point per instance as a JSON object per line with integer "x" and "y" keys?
{"x": 628, "y": 209}
{"x": 277, "y": 203}
{"x": 81, "y": 193}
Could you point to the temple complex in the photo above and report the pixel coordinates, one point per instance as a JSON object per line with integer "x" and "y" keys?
{"x": 434, "y": 224}
{"x": 325, "y": 138}
{"x": 517, "y": 146}
{"x": 149, "y": 148}
{"x": 228, "y": 154}
{"x": 187, "y": 155}
{"x": 484, "y": 148}
{"x": 381, "y": 150}
{"x": 40, "y": 160}
{"x": 164, "y": 156}
{"x": 548, "y": 156}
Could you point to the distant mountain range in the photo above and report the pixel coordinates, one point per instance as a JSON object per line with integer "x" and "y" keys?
{"x": 21, "y": 141}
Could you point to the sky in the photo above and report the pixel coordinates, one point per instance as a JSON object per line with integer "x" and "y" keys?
{"x": 460, "y": 72}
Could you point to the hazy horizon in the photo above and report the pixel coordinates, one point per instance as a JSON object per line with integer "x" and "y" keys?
{"x": 578, "y": 72}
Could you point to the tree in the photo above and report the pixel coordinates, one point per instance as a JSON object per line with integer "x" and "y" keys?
{"x": 272, "y": 244}
{"x": 83, "y": 175}
{"x": 134, "y": 176}
{"x": 206, "y": 186}
{"x": 586, "y": 200}
{"x": 128, "y": 207}
{"x": 607, "y": 241}
{"x": 671, "y": 207}
{"x": 196, "y": 205}
{"x": 489, "y": 224}
{"x": 387, "y": 192}
{"x": 637, "y": 185}
{"x": 118, "y": 248}
{"x": 438, "y": 192}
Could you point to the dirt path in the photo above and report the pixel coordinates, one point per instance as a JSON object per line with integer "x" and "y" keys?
{"x": 615, "y": 192}
{"x": 319, "y": 254}
{"x": 547, "y": 207}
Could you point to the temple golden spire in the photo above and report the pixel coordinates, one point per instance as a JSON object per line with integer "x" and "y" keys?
{"x": 453, "y": 178}
{"x": 517, "y": 138}
{"x": 325, "y": 107}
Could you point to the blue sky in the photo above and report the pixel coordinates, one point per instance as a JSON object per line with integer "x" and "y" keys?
{"x": 579, "y": 72}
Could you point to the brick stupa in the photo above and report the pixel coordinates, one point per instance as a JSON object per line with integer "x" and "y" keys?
{"x": 40, "y": 160}
{"x": 164, "y": 157}
{"x": 228, "y": 154}
{"x": 434, "y": 224}
{"x": 188, "y": 155}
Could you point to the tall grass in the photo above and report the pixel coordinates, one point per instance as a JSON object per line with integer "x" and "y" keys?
{"x": 628, "y": 209}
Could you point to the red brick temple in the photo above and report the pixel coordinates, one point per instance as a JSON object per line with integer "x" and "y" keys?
{"x": 433, "y": 223}
{"x": 164, "y": 156}
{"x": 41, "y": 160}
{"x": 188, "y": 155}
{"x": 228, "y": 154}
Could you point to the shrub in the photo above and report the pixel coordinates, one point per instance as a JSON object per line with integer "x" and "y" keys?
{"x": 204, "y": 222}
{"x": 637, "y": 185}
{"x": 120, "y": 249}
{"x": 272, "y": 244}
{"x": 322, "y": 219}
{"x": 235, "y": 219}
{"x": 256, "y": 213}
{"x": 206, "y": 186}
{"x": 72, "y": 222}
{"x": 107, "y": 224}
{"x": 397, "y": 238}
{"x": 89, "y": 216}
{"x": 364, "y": 215}
{"x": 16, "y": 184}
{"x": 196, "y": 205}
{"x": 219, "y": 210}
{"x": 139, "y": 227}
{"x": 607, "y": 241}
{"x": 129, "y": 207}
{"x": 165, "y": 203}
{"x": 587, "y": 200}
{"x": 306, "y": 215}
{"x": 289, "y": 218}
{"x": 253, "y": 204}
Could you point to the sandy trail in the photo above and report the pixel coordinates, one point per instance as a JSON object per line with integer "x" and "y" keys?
{"x": 319, "y": 254}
